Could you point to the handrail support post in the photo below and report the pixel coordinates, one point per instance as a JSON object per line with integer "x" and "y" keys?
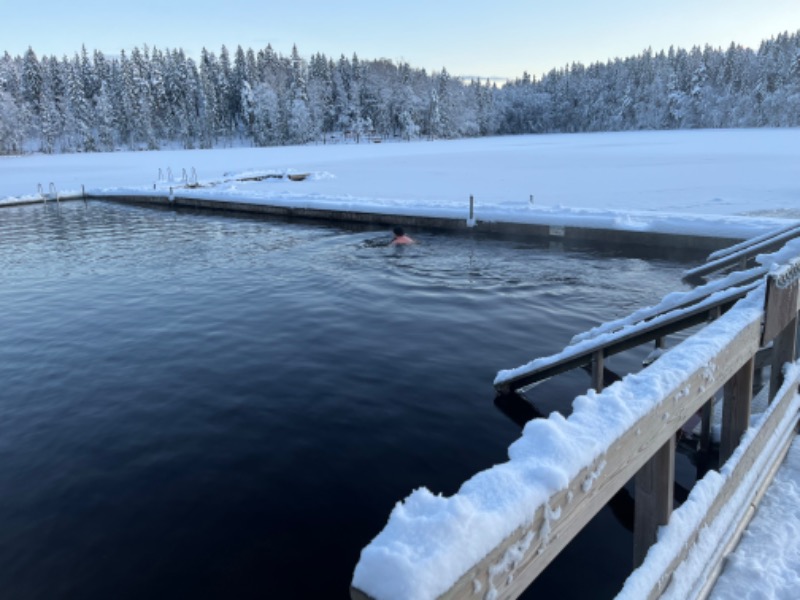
{"x": 598, "y": 366}
{"x": 783, "y": 351}
{"x": 653, "y": 499}
{"x": 738, "y": 395}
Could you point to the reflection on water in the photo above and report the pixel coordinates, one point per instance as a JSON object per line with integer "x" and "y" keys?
{"x": 209, "y": 406}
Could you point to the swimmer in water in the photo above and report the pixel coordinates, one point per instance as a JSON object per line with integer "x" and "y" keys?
{"x": 400, "y": 238}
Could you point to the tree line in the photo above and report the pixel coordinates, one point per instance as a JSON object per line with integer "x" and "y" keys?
{"x": 152, "y": 98}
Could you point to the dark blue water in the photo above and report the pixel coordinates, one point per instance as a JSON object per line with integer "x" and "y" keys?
{"x": 207, "y": 406}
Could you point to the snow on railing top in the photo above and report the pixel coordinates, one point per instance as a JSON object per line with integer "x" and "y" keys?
{"x": 673, "y": 301}
{"x": 787, "y": 274}
{"x": 601, "y": 340}
{"x": 749, "y": 243}
{"x": 781, "y": 237}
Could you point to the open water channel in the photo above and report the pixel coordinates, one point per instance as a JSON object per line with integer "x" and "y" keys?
{"x": 197, "y": 405}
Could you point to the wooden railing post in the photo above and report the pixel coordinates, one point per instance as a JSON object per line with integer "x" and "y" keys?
{"x": 783, "y": 351}
{"x": 758, "y": 375}
{"x": 780, "y": 327}
{"x": 706, "y": 416}
{"x": 598, "y": 366}
{"x": 738, "y": 394}
{"x": 653, "y": 499}
{"x": 743, "y": 263}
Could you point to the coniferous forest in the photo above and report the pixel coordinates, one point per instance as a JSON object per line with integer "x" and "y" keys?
{"x": 151, "y": 98}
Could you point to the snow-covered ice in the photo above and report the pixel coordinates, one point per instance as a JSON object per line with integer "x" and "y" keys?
{"x": 727, "y": 183}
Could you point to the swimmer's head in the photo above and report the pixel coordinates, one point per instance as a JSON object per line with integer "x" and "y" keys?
{"x": 398, "y": 231}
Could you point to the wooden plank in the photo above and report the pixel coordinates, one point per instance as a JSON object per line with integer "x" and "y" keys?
{"x": 522, "y": 556}
{"x": 783, "y": 350}
{"x": 780, "y": 324}
{"x": 598, "y": 365}
{"x": 736, "y": 409}
{"x": 780, "y": 307}
{"x": 654, "y": 485}
{"x": 707, "y": 413}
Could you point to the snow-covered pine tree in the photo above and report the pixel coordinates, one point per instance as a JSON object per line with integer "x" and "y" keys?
{"x": 78, "y": 114}
{"x": 320, "y": 95}
{"x": 266, "y": 116}
{"x": 299, "y": 125}
{"x": 12, "y": 125}
{"x": 31, "y": 84}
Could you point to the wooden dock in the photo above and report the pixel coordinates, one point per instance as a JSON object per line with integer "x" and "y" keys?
{"x": 558, "y": 234}
{"x": 761, "y": 332}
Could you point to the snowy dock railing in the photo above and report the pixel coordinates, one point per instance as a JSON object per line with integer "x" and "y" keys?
{"x": 593, "y": 351}
{"x": 504, "y": 526}
{"x": 741, "y": 253}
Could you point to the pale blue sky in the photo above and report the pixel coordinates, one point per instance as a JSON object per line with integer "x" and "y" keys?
{"x": 501, "y": 38}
